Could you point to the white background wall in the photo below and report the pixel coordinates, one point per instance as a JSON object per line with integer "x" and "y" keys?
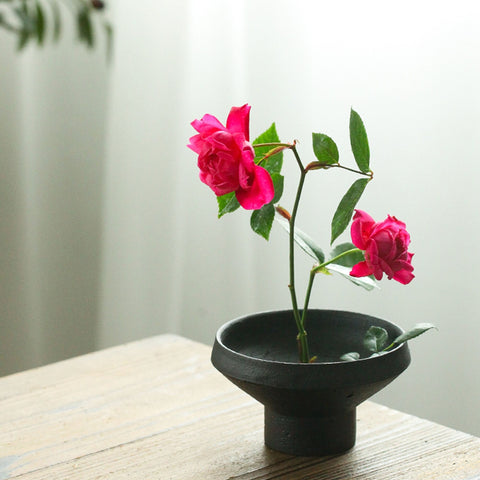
{"x": 121, "y": 240}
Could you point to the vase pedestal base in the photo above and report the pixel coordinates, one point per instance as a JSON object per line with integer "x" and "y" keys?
{"x": 310, "y": 436}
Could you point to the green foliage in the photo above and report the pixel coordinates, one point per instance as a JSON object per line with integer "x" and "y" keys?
{"x": 84, "y": 27}
{"x": 325, "y": 149}
{"x": 344, "y": 264}
{"x": 365, "y": 282}
{"x": 41, "y": 20}
{"x": 273, "y": 164}
{"x": 417, "y": 330}
{"x": 350, "y": 259}
{"x": 344, "y": 211}
{"x": 375, "y": 339}
{"x": 261, "y": 221}
{"x": 227, "y": 203}
{"x": 359, "y": 142}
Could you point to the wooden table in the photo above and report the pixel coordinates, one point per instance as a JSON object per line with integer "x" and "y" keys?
{"x": 157, "y": 409}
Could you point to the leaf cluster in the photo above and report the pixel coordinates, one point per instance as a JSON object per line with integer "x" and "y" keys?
{"x": 37, "y": 21}
{"x": 376, "y": 340}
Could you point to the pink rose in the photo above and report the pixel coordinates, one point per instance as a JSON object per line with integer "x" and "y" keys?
{"x": 385, "y": 245}
{"x": 226, "y": 159}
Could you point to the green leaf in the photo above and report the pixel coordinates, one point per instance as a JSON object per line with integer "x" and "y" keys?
{"x": 227, "y": 203}
{"x": 25, "y": 18}
{"x": 417, "y": 330}
{"x": 23, "y": 38}
{"x": 261, "y": 220}
{"x": 278, "y": 186}
{"x": 304, "y": 241}
{"x": 84, "y": 27}
{"x": 359, "y": 142}
{"x": 324, "y": 148}
{"x": 274, "y": 163}
{"x": 348, "y": 260}
{"x": 344, "y": 265}
{"x": 27, "y": 28}
{"x": 375, "y": 339}
{"x": 350, "y": 357}
{"x": 345, "y": 208}
{"x": 39, "y": 23}
{"x": 365, "y": 282}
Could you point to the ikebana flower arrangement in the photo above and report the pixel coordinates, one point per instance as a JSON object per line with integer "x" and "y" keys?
{"x": 244, "y": 174}
{"x": 310, "y": 391}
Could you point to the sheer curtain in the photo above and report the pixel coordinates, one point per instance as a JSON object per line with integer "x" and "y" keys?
{"x": 165, "y": 256}
{"x": 127, "y": 244}
{"x": 52, "y": 129}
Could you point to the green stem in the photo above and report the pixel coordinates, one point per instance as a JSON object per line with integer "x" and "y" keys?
{"x": 272, "y": 144}
{"x": 313, "y": 272}
{"x": 302, "y": 334}
{"x": 307, "y": 298}
{"x": 319, "y": 268}
{"x": 393, "y": 344}
{"x": 326, "y": 166}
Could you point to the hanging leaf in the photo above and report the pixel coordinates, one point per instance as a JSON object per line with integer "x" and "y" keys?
{"x": 325, "y": 149}
{"x": 84, "y": 27}
{"x": 278, "y": 186}
{"x": 347, "y": 260}
{"x": 375, "y": 339}
{"x": 345, "y": 208}
{"x": 23, "y": 38}
{"x": 27, "y": 25}
{"x": 417, "y": 330}
{"x": 261, "y": 220}
{"x": 272, "y": 164}
{"x": 365, "y": 282}
{"x": 39, "y": 23}
{"x": 227, "y": 203}
{"x": 304, "y": 241}
{"x": 359, "y": 142}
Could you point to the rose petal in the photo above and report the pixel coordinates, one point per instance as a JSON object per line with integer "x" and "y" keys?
{"x": 361, "y": 228}
{"x": 361, "y": 270}
{"x": 260, "y": 192}
{"x": 404, "y": 277}
{"x": 207, "y": 125}
{"x": 385, "y": 243}
{"x": 238, "y": 120}
{"x": 196, "y": 143}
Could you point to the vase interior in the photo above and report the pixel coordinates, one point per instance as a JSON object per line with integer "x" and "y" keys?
{"x": 272, "y": 336}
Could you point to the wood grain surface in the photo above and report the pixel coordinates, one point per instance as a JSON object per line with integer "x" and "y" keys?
{"x": 157, "y": 409}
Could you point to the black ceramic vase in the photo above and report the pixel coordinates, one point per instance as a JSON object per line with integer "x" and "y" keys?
{"x": 310, "y": 408}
